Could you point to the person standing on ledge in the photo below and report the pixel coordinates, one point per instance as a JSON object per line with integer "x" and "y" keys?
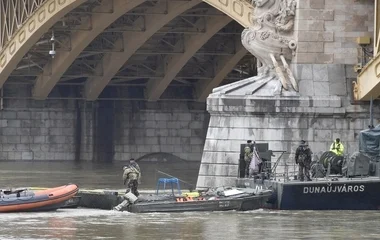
{"x": 337, "y": 147}
{"x": 248, "y": 156}
{"x": 255, "y": 166}
{"x": 132, "y": 176}
{"x": 303, "y": 159}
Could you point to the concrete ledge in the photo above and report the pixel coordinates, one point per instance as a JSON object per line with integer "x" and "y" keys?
{"x": 329, "y": 105}
{"x": 218, "y": 169}
{"x": 99, "y": 200}
{"x": 211, "y": 181}
{"x": 107, "y": 199}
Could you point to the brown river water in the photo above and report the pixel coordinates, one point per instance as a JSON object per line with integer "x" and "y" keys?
{"x": 101, "y": 224}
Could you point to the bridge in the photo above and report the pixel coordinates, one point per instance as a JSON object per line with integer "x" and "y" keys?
{"x": 156, "y": 62}
{"x": 367, "y": 85}
{"x": 123, "y": 49}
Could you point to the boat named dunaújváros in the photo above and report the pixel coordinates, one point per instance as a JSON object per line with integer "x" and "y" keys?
{"x": 335, "y": 193}
{"x": 349, "y": 182}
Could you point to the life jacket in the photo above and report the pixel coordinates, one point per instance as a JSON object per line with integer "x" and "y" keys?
{"x": 247, "y": 152}
{"x": 303, "y": 156}
{"x": 337, "y": 148}
{"x": 131, "y": 173}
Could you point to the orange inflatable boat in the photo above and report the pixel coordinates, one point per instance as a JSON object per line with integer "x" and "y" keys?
{"x": 26, "y": 200}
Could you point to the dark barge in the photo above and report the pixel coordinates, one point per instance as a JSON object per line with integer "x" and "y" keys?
{"x": 242, "y": 200}
{"x": 338, "y": 183}
{"x": 322, "y": 194}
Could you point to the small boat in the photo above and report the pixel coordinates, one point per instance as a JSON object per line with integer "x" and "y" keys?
{"x": 228, "y": 199}
{"x": 27, "y": 200}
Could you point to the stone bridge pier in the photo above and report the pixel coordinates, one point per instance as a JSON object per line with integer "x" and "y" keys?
{"x": 318, "y": 109}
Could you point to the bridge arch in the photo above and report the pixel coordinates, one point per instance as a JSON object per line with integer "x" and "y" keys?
{"x": 50, "y": 11}
{"x": 238, "y": 10}
{"x": 39, "y": 22}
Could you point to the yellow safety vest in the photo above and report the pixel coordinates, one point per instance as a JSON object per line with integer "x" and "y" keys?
{"x": 337, "y": 148}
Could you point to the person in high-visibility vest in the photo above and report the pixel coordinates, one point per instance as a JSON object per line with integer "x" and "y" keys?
{"x": 337, "y": 147}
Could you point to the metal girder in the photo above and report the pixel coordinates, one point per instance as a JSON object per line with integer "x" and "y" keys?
{"x": 223, "y": 67}
{"x": 163, "y": 31}
{"x": 174, "y": 64}
{"x": 13, "y": 14}
{"x": 146, "y": 52}
{"x": 184, "y": 15}
{"x": 177, "y": 77}
{"x": 91, "y": 6}
{"x": 112, "y": 62}
{"x": 239, "y": 10}
{"x": 54, "y": 70}
{"x": 90, "y": 52}
{"x": 368, "y": 81}
{"x": 33, "y": 27}
{"x": 67, "y": 77}
{"x": 376, "y": 38}
{"x": 367, "y": 85}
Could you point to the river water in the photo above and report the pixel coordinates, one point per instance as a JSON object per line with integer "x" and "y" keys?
{"x": 101, "y": 224}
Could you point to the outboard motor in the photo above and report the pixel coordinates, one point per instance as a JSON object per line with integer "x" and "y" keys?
{"x": 130, "y": 198}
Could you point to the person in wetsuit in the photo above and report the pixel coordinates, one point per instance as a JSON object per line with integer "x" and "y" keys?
{"x": 132, "y": 176}
{"x": 303, "y": 159}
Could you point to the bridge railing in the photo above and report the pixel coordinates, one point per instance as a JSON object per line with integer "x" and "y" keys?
{"x": 13, "y": 14}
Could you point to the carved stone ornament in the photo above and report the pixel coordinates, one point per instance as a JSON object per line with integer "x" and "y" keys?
{"x": 269, "y": 39}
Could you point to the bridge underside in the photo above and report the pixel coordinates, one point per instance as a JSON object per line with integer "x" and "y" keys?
{"x": 367, "y": 86}
{"x": 121, "y": 49}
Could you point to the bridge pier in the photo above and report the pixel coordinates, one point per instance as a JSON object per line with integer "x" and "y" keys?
{"x": 322, "y": 110}
{"x": 46, "y": 130}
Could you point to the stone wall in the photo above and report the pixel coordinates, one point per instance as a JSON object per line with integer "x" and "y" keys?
{"x": 99, "y": 131}
{"x": 327, "y": 50}
{"x": 279, "y": 121}
{"x": 326, "y": 30}
{"x": 163, "y": 128}
{"x": 323, "y": 66}
{"x": 321, "y": 80}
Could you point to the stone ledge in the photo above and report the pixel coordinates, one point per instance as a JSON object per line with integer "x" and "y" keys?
{"x": 207, "y": 181}
{"x": 218, "y": 169}
{"x": 288, "y": 105}
{"x": 229, "y": 158}
{"x": 315, "y": 36}
{"x": 313, "y": 58}
{"x": 315, "y": 14}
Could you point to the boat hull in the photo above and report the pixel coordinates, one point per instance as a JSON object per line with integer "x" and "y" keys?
{"x": 227, "y": 204}
{"x": 34, "y": 201}
{"x": 342, "y": 195}
{"x": 322, "y": 194}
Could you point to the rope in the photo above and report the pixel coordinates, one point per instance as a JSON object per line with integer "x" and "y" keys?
{"x": 192, "y": 185}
